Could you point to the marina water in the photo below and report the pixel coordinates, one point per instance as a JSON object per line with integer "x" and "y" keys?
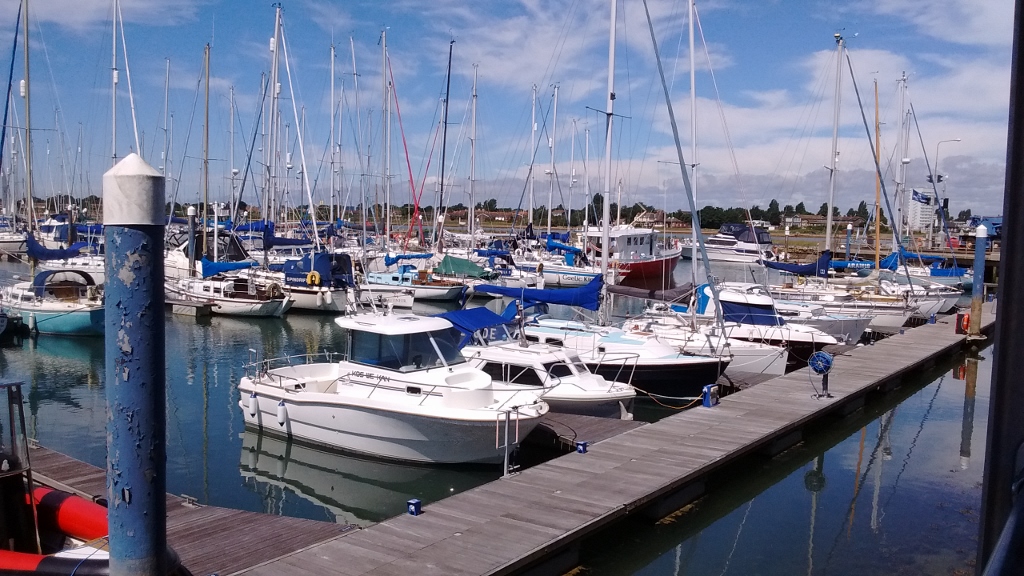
{"x": 894, "y": 488}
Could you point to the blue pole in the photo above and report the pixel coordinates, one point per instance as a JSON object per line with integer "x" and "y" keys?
{"x": 978, "y": 290}
{"x": 133, "y": 198}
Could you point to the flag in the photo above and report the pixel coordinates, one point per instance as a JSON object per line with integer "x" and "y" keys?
{"x": 920, "y": 197}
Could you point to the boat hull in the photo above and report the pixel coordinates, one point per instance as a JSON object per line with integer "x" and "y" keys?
{"x": 65, "y": 322}
{"x": 667, "y": 380}
{"x": 382, "y": 433}
{"x": 653, "y": 270}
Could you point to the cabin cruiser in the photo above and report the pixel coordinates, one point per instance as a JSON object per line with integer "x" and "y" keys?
{"x": 230, "y": 295}
{"x": 736, "y": 243}
{"x": 567, "y": 384}
{"x": 66, "y": 302}
{"x": 401, "y": 390}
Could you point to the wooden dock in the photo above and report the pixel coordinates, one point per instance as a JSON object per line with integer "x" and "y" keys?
{"x": 534, "y": 521}
{"x": 207, "y": 538}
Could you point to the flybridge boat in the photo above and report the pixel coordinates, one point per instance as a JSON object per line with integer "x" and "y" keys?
{"x": 564, "y": 380}
{"x": 67, "y": 302}
{"x": 400, "y": 391}
{"x": 636, "y": 254}
{"x": 736, "y": 243}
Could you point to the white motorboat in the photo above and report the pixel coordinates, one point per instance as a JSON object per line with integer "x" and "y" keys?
{"x": 844, "y": 327}
{"x": 400, "y": 391}
{"x": 232, "y": 296}
{"x": 67, "y": 302}
{"x": 565, "y": 381}
{"x": 735, "y": 243}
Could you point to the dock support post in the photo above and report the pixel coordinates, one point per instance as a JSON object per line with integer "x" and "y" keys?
{"x": 133, "y": 216}
{"x": 978, "y": 289}
{"x": 849, "y": 232}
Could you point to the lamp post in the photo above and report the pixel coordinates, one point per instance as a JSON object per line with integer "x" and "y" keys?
{"x": 940, "y": 179}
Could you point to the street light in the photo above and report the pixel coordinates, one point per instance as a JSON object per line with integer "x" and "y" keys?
{"x": 939, "y": 178}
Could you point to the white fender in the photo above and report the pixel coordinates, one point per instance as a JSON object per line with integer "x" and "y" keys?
{"x": 254, "y": 404}
{"x": 282, "y": 413}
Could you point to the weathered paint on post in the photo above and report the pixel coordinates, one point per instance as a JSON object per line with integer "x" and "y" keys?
{"x": 133, "y": 206}
{"x": 978, "y": 294}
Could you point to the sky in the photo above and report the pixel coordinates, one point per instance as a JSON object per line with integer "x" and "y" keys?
{"x": 764, "y": 80}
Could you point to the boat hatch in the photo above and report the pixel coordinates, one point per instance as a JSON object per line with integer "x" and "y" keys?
{"x": 413, "y": 390}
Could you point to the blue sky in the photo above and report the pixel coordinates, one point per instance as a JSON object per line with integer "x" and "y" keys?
{"x": 773, "y": 62}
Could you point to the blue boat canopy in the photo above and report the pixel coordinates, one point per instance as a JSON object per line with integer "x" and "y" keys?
{"x": 588, "y": 296}
{"x": 470, "y": 320}
{"x": 39, "y": 282}
{"x": 818, "y": 268}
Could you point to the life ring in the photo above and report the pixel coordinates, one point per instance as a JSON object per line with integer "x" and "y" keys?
{"x": 965, "y": 322}
{"x": 313, "y": 278}
{"x": 274, "y": 290}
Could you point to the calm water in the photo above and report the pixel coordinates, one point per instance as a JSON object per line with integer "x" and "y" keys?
{"x": 895, "y": 496}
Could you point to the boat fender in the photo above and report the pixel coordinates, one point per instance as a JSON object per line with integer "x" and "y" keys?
{"x": 254, "y": 404}
{"x": 32, "y": 321}
{"x": 328, "y": 297}
{"x": 282, "y": 413}
{"x": 319, "y": 299}
{"x": 313, "y": 278}
{"x": 274, "y": 290}
{"x": 540, "y": 268}
{"x": 70, "y": 514}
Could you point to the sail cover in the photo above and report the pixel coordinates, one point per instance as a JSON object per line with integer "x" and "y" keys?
{"x": 471, "y": 320}
{"x": 588, "y": 297}
{"x": 392, "y": 259}
{"x": 211, "y": 268}
{"x": 818, "y": 268}
{"x": 452, "y": 266}
{"x": 36, "y": 250}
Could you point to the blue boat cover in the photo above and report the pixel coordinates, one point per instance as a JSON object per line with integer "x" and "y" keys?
{"x": 36, "y": 250}
{"x": 468, "y": 321}
{"x": 818, "y": 268}
{"x": 211, "y": 268}
{"x": 552, "y": 245}
{"x": 853, "y": 264}
{"x": 390, "y": 260}
{"x": 588, "y": 296}
{"x": 334, "y": 270}
{"x": 750, "y": 314}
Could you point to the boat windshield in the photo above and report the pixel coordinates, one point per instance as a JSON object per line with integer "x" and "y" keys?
{"x": 406, "y": 352}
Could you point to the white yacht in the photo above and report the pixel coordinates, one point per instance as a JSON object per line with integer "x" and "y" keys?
{"x": 231, "y": 296}
{"x": 735, "y": 243}
{"x": 401, "y": 391}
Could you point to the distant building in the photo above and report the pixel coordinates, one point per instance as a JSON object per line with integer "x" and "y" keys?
{"x": 920, "y": 215}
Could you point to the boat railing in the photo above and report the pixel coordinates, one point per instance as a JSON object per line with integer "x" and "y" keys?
{"x": 257, "y": 368}
{"x": 623, "y": 360}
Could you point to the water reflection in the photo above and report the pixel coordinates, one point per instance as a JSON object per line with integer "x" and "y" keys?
{"x": 796, "y": 513}
{"x": 349, "y": 489}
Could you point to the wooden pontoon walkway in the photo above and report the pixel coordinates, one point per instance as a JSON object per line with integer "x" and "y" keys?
{"x": 207, "y": 538}
{"x": 541, "y": 515}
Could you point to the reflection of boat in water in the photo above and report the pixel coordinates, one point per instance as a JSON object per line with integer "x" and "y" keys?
{"x": 354, "y": 490}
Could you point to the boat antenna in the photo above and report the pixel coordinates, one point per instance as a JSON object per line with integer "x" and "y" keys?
{"x": 444, "y": 143}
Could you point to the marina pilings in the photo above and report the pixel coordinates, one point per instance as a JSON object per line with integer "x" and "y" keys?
{"x": 133, "y": 194}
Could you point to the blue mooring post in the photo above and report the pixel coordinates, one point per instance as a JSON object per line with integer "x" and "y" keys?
{"x": 849, "y": 232}
{"x": 978, "y": 290}
{"x": 133, "y": 216}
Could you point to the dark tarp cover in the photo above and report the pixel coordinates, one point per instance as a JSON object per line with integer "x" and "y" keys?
{"x": 670, "y": 295}
{"x": 335, "y": 270}
{"x": 470, "y": 320}
{"x": 818, "y": 268}
{"x": 36, "y": 250}
{"x": 745, "y": 313}
{"x": 588, "y": 297}
{"x": 39, "y": 282}
{"x": 211, "y": 268}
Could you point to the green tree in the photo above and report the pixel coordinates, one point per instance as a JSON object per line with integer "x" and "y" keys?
{"x": 964, "y": 215}
{"x": 823, "y": 211}
{"x": 862, "y": 210}
{"x": 800, "y": 209}
{"x": 788, "y": 210}
{"x": 773, "y": 215}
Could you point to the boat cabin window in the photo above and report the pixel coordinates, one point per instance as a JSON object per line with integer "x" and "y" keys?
{"x": 558, "y": 369}
{"x": 495, "y": 370}
{"x": 405, "y": 352}
{"x": 524, "y": 375}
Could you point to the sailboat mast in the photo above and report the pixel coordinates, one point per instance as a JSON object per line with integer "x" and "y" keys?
{"x": 113, "y": 90}
{"x": 609, "y": 114}
{"x": 572, "y": 177}
{"x": 551, "y": 150}
{"x": 273, "y": 120}
{"x": 693, "y": 141}
{"x": 206, "y": 142}
{"x": 878, "y": 183}
{"x": 902, "y": 145}
{"x": 586, "y": 183}
{"x": 472, "y": 165}
{"x": 167, "y": 83}
{"x": 840, "y": 43}
{"x": 28, "y": 115}
{"x": 334, "y": 157}
{"x": 533, "y": 148}
{"x": 387, "y": 134}
{"x": 444, "y": 144}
